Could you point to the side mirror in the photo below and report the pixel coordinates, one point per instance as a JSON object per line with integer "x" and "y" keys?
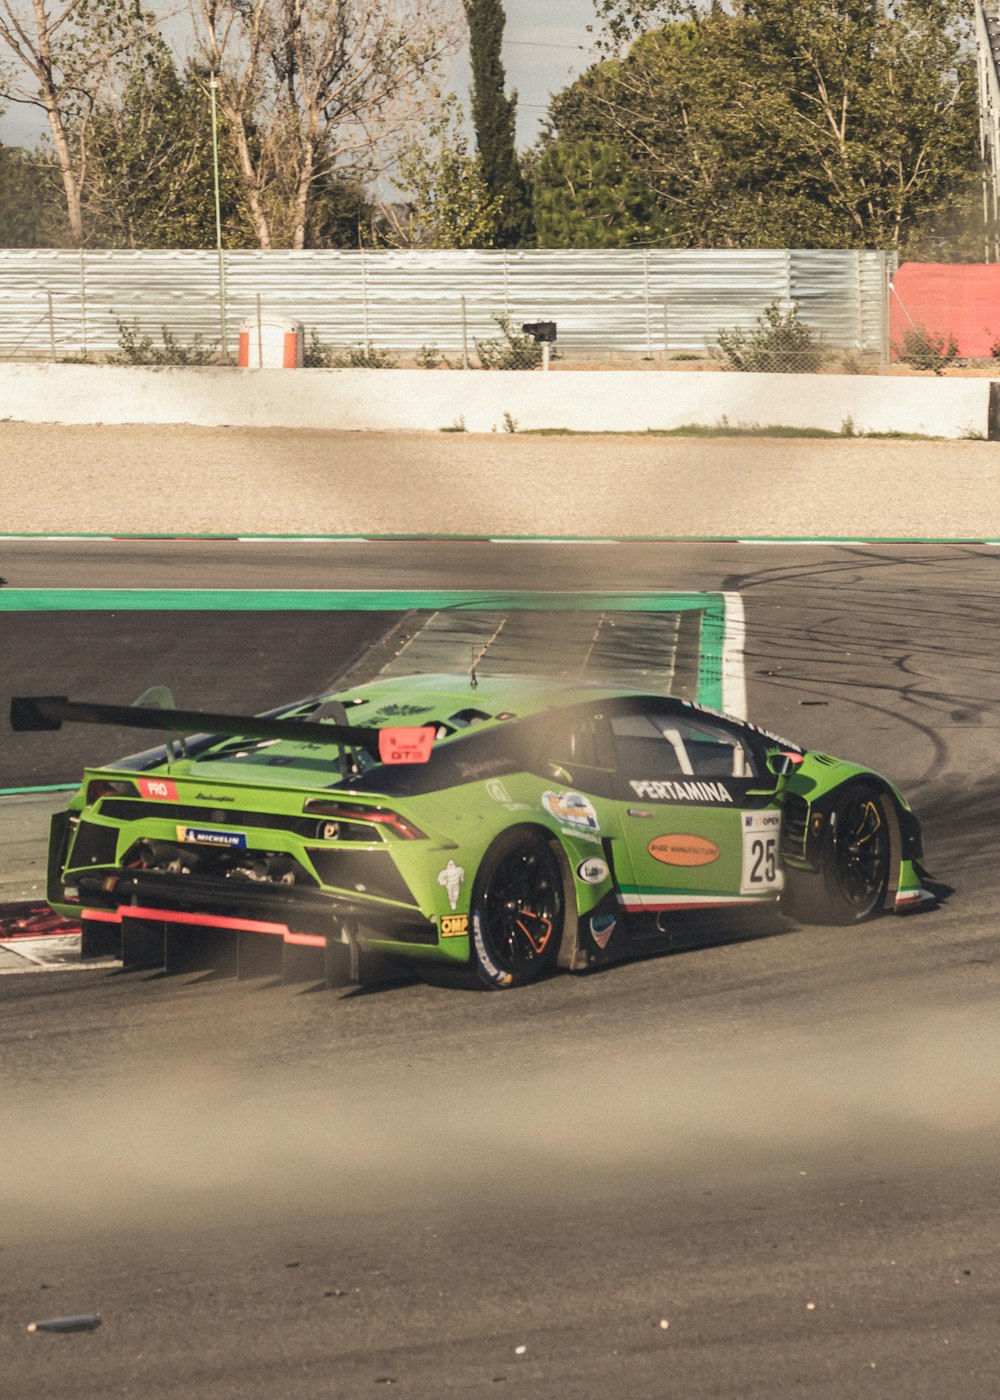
{"x": 783, "y": 762}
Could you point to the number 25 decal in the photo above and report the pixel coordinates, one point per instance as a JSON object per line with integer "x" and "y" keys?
{"x": 761, "y": 845}
{"x": 764, "y": 854}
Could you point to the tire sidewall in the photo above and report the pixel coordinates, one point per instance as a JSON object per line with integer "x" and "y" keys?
{"x": 483, "y": 963}
{"x": 817, "y": 896}
{"x": 843, "y": 910}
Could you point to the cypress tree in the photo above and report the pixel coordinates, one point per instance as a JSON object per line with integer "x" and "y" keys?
{"x": 493, "y": 116}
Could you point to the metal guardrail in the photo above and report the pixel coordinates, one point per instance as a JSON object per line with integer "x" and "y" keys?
{"x": 655, "y": 305}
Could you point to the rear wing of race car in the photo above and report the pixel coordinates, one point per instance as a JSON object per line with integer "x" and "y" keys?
{"x": 408, "y": 744}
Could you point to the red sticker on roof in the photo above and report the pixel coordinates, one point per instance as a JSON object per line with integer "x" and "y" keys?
{"x": 409, "y": 745}
{"x": 161, "y": 788}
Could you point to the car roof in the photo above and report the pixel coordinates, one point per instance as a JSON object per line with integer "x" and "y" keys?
{"x": 462, "y": 712}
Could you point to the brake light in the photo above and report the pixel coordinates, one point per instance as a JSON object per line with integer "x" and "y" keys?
{"x": 108, "y": 787}
{"x": 371, "y": 816}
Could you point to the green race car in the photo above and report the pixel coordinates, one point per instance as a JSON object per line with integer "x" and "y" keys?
{"x": 496, "y": 828}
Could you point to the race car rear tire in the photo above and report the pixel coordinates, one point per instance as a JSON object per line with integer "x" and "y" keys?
{"x": 517, "y": 911}
{"x": 850, "y": 885}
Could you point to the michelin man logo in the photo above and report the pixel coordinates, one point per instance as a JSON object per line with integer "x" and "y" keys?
{"x": 450, "y": 879}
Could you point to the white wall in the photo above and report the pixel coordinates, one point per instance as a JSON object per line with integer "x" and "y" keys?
{"x": 585, "y": 401}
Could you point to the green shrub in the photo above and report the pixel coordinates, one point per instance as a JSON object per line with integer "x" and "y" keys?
{"x": 137, "y": 349}
{"x": 924, "y": 349}
{"x": 366, "y": 356}
{"x": 429, "y": 357}
{"x": 317, "y": 354}
{"x": 778, "y": 343}
{"x": 510, "y": 350}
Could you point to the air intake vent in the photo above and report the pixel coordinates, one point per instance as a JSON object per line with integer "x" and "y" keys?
{"x": 793, "y": 828}
{"x": 462, "y": 718}
{"x": 94, "y": 845}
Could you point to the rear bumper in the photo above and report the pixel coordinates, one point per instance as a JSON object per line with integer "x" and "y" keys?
{"x": 240, "y": 904}
{"x": 147, "y": 936}
{"x": 170, "y": 940}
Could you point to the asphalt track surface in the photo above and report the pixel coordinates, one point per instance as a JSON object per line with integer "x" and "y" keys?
{"x": 762, "y": 1169}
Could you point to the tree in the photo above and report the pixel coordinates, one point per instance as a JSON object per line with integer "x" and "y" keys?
{"x": 32, "y": 213}
{"x": 313, "y": 88}
{"x": 678, "y": 108}
{"x": 70, "y": 54}
{"x": 625, "y": 19}
{"x": 494, "y": 119}
{"x": 881, "y": 95}
{"x": 585, "y": 193}
{"x": 340, "y": 209}
{"x": 831, "y": 123}
{"x": 150, "y": 182}
{"x": 449, "y": 204}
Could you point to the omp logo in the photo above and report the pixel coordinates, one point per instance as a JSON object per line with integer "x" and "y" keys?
{"x": 160, "y": 789}
{"x": 679, "y": 849}
{"x": 454, "y": 925}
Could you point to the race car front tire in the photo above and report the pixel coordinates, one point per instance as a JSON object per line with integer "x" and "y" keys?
{"x": 853, "y": 876}
{"x": 517, "y": 911}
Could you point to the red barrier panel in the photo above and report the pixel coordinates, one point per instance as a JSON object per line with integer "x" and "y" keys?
{"x": 32, "y": 919}
{"x": 959, "y": 299}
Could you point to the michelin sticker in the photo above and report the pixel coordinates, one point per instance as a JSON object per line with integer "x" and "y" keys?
{"x": 494, "y": 973}
{"x": 761, "y": 845}
{"x": 450, "y": 879}
{"x": 592, "y": 871}
{"x": 232, "y": 839}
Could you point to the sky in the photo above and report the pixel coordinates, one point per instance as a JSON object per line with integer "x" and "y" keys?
{"x": 539, "y": 58}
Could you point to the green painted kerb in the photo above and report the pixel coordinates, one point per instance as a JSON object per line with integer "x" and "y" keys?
{"x": 329, "y": 599}
{"x": 46, "y": 787}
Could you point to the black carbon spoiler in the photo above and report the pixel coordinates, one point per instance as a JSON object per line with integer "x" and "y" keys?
{"x": 395, "y": 745}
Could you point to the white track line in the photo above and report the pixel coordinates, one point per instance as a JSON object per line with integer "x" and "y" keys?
{"x": 734, "y": 686}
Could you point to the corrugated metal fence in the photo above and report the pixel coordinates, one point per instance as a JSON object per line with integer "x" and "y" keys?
{"x": 60, "y": 303}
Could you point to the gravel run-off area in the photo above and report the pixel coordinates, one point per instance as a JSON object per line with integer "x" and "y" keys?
{"x": 176, "y": 479}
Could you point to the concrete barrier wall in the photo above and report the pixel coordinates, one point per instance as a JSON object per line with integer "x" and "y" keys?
{"x": 432, "y": 400}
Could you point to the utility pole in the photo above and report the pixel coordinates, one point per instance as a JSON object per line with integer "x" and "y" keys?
{"x": 987, "y": 61}
{"x": 213, "y": 88}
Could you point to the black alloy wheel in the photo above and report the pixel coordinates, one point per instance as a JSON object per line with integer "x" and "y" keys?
{"x": 517, "y": 911}
{"x": 859, "y": 858}
{"x": 853, "y": 876}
